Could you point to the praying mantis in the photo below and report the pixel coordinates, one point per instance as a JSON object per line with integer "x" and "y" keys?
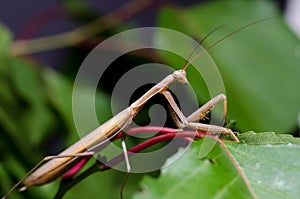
{"x": 57, "y": 165}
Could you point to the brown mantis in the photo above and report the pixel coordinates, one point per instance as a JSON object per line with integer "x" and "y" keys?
{"x": 59, "y": 164}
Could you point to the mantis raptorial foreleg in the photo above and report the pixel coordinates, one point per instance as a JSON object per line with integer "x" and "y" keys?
{"x": 200, "y": 114}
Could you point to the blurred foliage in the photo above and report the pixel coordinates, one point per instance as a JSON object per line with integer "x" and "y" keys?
{"x": 259, "y": 66}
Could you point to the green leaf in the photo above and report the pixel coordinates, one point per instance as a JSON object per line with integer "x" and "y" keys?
{"x": 26, "y": 81}
{"x": 259, "y": 70}
{"x": 77, "y": 8}
{"x": 273, "y": 171}
{"x": 59, "y": 94}
{"x": 5, "y": 40}
{"x": 267, "y": 138}
{"x": 191, "y": 177}
{"x": 230, "y": 170}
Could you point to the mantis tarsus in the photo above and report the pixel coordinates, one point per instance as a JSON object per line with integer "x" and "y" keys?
{"x": 59, "y": 164}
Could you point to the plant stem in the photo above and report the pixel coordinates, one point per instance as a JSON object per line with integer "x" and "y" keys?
{"x": 166, "y": 134}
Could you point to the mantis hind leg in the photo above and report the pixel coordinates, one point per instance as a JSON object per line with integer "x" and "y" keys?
{"x": 127, "y": 164}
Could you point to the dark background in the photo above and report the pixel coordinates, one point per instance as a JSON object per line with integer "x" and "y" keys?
{"x": 32, "y": 18}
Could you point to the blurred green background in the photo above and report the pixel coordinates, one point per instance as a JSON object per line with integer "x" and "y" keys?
{"x": 259, "y": 67}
